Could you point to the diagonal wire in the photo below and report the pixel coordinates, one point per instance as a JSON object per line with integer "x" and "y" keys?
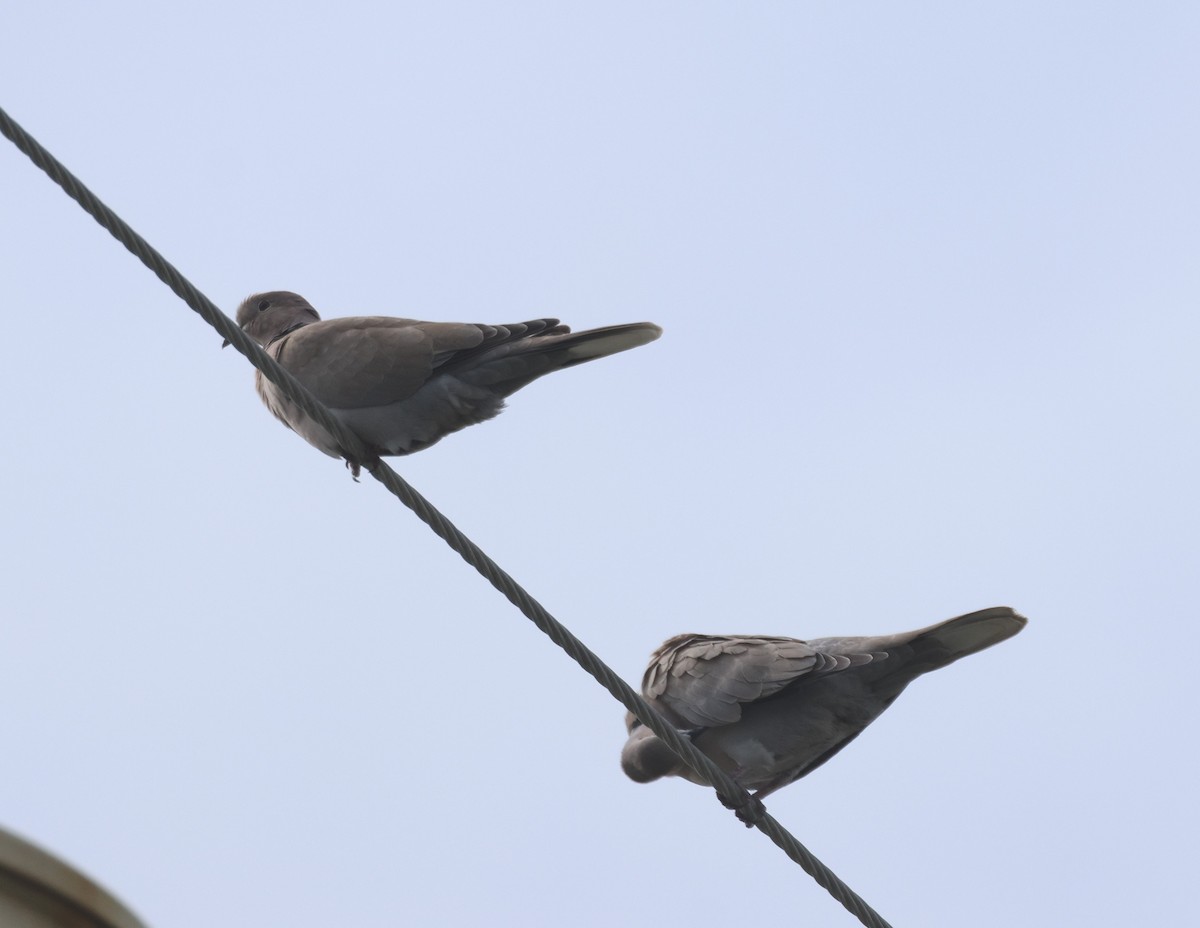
{"x": 731, "y": 793}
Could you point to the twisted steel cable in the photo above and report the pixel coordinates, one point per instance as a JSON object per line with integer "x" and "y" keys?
{"x": 731, "y": 794}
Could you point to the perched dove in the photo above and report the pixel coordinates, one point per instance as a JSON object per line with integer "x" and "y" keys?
{"x": 401, "y": 384}
{"x": 768, "y": 711}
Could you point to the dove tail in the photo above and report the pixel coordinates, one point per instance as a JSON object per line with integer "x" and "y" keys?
{"x": 516, "y": 364}
{"x": 976, "y": 631}
{"x": 943, "y": 644}
{"x": 598, "y": 343}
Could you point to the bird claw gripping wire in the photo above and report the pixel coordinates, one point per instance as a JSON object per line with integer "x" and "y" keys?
{"x": 749, "y": 813}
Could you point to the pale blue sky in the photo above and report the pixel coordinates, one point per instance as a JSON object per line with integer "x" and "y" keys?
{"x": 928, "y": 280}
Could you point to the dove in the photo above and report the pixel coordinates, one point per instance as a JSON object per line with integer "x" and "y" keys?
{"x": 403, "y": 384}
{"x": 769, "y": 711}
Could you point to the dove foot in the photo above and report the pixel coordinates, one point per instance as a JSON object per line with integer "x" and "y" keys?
{"x": 750, "y": 813}
{"x": 355, "y": 466}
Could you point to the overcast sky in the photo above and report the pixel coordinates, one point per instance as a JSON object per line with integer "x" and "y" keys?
{"x": 928, "y": 278}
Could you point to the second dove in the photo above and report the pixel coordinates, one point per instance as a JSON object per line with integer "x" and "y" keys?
{"x": 769, "y": 711}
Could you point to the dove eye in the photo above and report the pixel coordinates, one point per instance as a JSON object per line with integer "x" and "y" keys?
{"x": 263, "y": 305}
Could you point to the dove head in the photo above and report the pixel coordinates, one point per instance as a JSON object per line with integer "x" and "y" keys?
{"x": 266, "y": 316}
{"x": 645, "y": 757}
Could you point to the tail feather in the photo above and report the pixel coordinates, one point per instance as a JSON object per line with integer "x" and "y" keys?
{"x": 941, "y": 645}
{"x": 974, "y": 632}
{"x": 513, "y": 365}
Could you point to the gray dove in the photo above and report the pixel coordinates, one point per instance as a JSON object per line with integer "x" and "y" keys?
{"x": 402, "y": 384}
{"x": 768, "y": 711}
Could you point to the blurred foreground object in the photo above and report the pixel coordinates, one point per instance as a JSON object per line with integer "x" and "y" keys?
{"x": 40, "y": 891}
